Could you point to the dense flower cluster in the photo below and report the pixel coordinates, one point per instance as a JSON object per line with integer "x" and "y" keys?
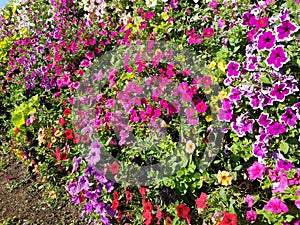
{"x": 234, "y": 71}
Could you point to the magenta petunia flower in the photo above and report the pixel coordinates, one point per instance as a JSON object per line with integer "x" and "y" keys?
{"x": 266, "y": 40}
{"x": 247, "y": 17}
{"x": 201, "y": 107}
{"x": 261, "y": 22}
{"x": 277, "y": 58}
{"x": 264, "y": 120}
{"x": 279, "y": 91}
{"x": 276, "y": 128}
{"x": 297, "y": 204}
{"x": 208, "y": 32}
{"x": 233, "y": 69}
{"x": 284, "y": 164}
{"x": 285, "y": 29}
{"x": 256, "y": 171}
{"x": 276, "y": 206}
{"x": 289, "y": 117}
{"x": 251, "y": 215}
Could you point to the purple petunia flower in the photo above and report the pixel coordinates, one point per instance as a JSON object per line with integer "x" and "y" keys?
{"x": 76, "y": 162}
{"x": 83, "y": 183}
{"x": 276, "y": 128}
{"x": 94, "y": 156}
{"x": 235, "y": 95}
{"x": 284, "y": 164}
{"x": 73, "y": 188}
{"x": 276, "y": 206}
{"x": 289, "y": 117}
{"x": 285, "y": 29}
{"x": 247, "y": 18}
{"x": 256, "y": 171}
{"x": 264, "y": 120}
{"x": 266, "y": 41}
{"x": 281, "y": 185}
{"x": 277, "y": 58}
{"x": 260, "y": 149}
{"x": 279, "y": 91}
{"x": 233, "y": 69}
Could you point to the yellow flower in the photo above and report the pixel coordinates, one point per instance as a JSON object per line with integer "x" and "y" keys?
{"x": 214, "y": 99}
{"x": 190, "y": 147}
{"x": 57, "y": 133}
{"x": 207, "y": 90}
{"x": 165, "y": 16}
{"x": 224, "y": 178}
{"x": 212, "y": 65}
{"x": 214, "y": 108}
{"x": 222, "y": 66}
{"x": 222, "y": 94}
{"x": 52, "y": 194}
{"x": 53, "y": 139}
{"x": 208, "y": 118}
{"x": 181, "y": 58}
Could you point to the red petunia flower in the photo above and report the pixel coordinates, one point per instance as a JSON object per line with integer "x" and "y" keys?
{"x": 76, "y": 139}
{"x": 128, "y": 196}
{"x": 229, "y": 219}
{"x": 148, "y": 206}
{"x": 147, "y": 215}
{"x": 158, "y": 215}
{"x": 114, "y": 168}
{"x": 143, "y": 191}
{"x": 115, "y": 204}
{"x": 62, "y": 121}
{"x": 182, "y": 211}
{"x": 201, "y": 201}
{"x": 69, "y": 134}
{"x": 67, "y": 111}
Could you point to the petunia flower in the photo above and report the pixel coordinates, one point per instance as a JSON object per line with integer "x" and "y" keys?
{"x": 201, "y": 202}
{"x": 251, "y": 215}
{"x": 182, "y": 211}
{"x": 208, "y": 32}
{"x": 261, "y": 22}
{"x": 190, "y": 147}
{"x": 266, "y": 41}
{"x": 256, "y": 171}
{"x": 285, "y": 29}
{"x": 276, "y": 206}
{"x": 289, "y": 117}
{"x": 224, "y": 178}
{"x": 277, "y": 58}
{"x": 249, "y": 199}
{"x": 276, "y": 128}
{"x": 233, "y": 69}
{"x": 229, "y": 219}
{"x": 280, "y": 91}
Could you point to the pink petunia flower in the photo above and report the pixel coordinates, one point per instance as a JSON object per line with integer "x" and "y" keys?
{"x": 256, "y": 171}
{"x": 208, "y": 32}
{"x": 276, "y": 206}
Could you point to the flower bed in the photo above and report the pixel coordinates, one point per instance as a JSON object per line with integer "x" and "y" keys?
{"x": 157, "y": 112}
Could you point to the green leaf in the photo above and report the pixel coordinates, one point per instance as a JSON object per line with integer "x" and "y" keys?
{"x": 265, "y": 80}
{"x": 223, "y": 194}
{"x": 18, "y": 119}
{"x": 284, "y": 147}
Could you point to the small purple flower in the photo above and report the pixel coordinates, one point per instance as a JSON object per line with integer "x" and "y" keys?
{"x": 266, "y": 41}
{"x": 260, "y": 149}
{"x": 276, "y": 206}
{"x": 289, "y": 117}
{"x": 264, "y": 120}
{"x": 285, "y": 29}
{"x": 73, "y": 188}
{"x": 233, "y": 69}
{"x": 276, "y": 128}
{"x": 279, "y": 91}
{"x": 277, "y": 58}
{"x": 83, "y": 183}
{"x": 247, "y": 17}
{"x": 94, "y": 156}
{"x": 235, "y": 95}
{"x": 76, "y": 162}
